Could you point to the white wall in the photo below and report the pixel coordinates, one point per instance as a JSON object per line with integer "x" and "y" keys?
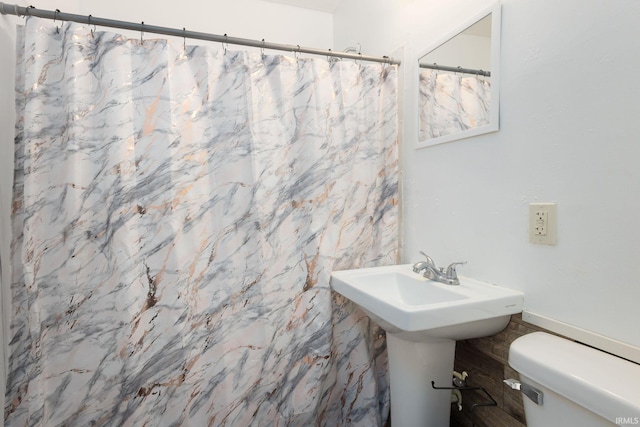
{"x": 253, "y": 19}
{"x": 570, "y": 102}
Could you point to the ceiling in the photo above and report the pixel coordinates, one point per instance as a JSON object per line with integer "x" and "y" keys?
{"x": 320, "y": 5}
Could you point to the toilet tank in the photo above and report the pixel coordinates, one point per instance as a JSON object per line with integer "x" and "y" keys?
{"x": 580, "y": 384}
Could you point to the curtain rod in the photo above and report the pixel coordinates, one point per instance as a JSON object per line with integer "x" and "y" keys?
{"x": 7, "y": 9}
{"x": 456, "y": 69}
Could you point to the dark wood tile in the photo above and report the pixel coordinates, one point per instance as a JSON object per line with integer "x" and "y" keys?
{"x": 486, "y": 361}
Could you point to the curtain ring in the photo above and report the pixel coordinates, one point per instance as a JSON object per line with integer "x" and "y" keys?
{"x": 91, "y": 29}
{"x": 26, "y": 10}
{"x": 436, "y": 69}
{"x": 386, "y": 63}
{"x": 55, "y": 16}
{"x": 225, "y": 44}
{"x": 142, "y": 33}
{"x": 359, "y": 61}
{"x": 262, "y": 49}
{"x": 184, "y": 38}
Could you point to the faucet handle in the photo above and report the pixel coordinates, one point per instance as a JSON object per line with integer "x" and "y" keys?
{"x": 451, "y": 270}
{"x": 429, "y": 260}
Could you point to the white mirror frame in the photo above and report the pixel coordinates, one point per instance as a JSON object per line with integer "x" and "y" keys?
{"x": 494, "y": 121}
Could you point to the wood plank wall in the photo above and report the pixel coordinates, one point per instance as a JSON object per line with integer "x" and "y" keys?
{"x": 486, "y": 362}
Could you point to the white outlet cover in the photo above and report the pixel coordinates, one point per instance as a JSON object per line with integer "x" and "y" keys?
{"x": 550, "y": 209}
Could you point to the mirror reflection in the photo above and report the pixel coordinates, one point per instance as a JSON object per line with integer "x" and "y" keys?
{"x": 456, "y": 92}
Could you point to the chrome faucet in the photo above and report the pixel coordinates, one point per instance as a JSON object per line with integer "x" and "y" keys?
{"x": 430, "y": 271}
{"x": 424, "y": 265}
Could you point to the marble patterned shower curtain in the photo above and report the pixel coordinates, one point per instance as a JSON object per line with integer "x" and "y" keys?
{"x": 177, "y": 215}
{"x": 452, "y": 102}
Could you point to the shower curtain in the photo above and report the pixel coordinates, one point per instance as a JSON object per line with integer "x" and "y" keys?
{"x": 178, "y": 211}
{"x": 452, "y": 102}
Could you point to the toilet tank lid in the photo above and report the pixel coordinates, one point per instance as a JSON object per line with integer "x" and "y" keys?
{"x": 600, "y": 382}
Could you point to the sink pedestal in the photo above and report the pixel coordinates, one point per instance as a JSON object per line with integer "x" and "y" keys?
{"x": 423, "y": 320}
{"x": 412, "y": 367}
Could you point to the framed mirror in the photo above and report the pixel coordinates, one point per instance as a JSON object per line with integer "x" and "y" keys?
{"x": 458, "y": 82}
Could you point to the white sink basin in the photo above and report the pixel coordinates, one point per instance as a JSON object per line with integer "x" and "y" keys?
{"x": 402, "y": 301}
{"x": 423, "y": 320}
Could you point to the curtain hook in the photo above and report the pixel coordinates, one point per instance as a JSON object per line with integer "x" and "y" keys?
{"x": 262, "y": 49}
{"x": 296, "y": 53}
{"x": 142, "y": 33}
{"x": 225, "y": 44}
{"x": 184, "y": 38}
{"x": 91, "y": 29}
{"x": 55, "y": 16}
{"x": 386, "y": 63}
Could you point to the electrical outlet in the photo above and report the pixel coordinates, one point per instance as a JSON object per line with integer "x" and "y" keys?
{"x": 542, "y": 223}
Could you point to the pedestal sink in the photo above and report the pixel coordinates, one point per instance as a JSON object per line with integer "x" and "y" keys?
{"x": 423, "y": 319}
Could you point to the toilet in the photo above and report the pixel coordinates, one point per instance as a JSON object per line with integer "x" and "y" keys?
{"x": 565, "y": 383}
